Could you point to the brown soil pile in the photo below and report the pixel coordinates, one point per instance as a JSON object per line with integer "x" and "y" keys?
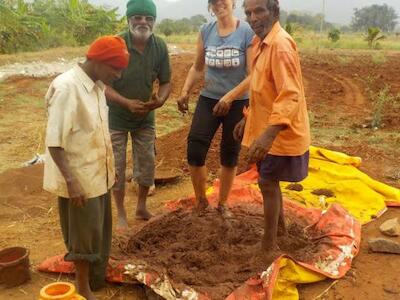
{"x": 323, "y": 192}
{"x": 211, "y": 254}
{"x": 171, "y": 152}
{"x": 295, "y": 187}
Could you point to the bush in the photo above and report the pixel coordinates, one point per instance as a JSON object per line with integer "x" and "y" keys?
{"x": 334, "y": 35}
{"x": 373, "y": 37}
{"x": 40, "y": 24}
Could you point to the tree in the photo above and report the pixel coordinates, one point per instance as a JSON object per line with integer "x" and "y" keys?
{"x": 181, "y": 26}
{"x": 166, "y": 27}
{"x": 373, "y": 36}
{"x": 334, "y": 35}
{"x": 306, "y": 20}
{"x": 379, "y": 16}
{"x": 197, "y": 20}
{"x": 289, "y": 27}
{"x": 40, "y": 24}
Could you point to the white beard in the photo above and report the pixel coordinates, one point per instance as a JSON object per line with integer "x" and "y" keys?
{"x": 139, "y": 34}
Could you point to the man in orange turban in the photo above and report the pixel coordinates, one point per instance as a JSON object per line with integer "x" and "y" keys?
{"x": 79, "y": 166}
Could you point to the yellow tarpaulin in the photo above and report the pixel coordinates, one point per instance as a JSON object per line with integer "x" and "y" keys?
{"x": 362, "y": 196}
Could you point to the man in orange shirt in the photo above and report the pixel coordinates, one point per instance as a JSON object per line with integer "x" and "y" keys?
{"x": 276, "y": 125}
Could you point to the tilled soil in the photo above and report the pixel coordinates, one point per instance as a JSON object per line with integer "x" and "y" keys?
{"x": 209, "y": 253}
{"x": 338, "y": 97}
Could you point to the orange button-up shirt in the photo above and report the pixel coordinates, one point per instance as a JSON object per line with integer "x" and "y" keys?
{"x": 277, "y": 94}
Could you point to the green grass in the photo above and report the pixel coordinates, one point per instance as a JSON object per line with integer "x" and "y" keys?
{"x": 169, "y": 119}
{"x": 311, "y": 40}
{"x": 379, "y": 58}
{"x": 344, "y": 60}
{"x": 33, "y": 97}
{"x": 28, "y": 101}
{"x": 180, "y": 39}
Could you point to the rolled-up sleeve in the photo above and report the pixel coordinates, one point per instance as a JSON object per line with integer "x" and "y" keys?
{"x": 288, "y": 83}
{"x": 59, "y": 110}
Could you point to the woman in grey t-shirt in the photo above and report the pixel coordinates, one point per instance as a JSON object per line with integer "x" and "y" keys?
{"x": 223, "y": 48}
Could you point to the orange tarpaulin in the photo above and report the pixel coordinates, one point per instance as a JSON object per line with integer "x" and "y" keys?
{"x": 333, "y": 223}
{"x": 335, "y": 232}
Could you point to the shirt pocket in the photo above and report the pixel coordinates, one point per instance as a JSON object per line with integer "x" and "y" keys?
{"x": 261, "y": 77}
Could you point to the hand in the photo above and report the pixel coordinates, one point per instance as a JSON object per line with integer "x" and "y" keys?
{"x": 259, "y": 149}
{"x": 137, "y": 107}
{"x": 154, "y": 103}
{"x": 75, "y": 192}
{"x": 222, "y": 108}
{"x": 183, "y": 103}
{"x": 239, "y": 130}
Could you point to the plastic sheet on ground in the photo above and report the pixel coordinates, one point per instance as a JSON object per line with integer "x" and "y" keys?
{"x": 332, "y": 222}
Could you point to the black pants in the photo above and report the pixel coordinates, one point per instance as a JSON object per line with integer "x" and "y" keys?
{"x": 204, "y": 127}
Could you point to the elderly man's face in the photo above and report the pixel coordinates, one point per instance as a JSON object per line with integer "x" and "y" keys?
{"x": 107, "y": 74}
{"x": 258, "y": 16}
{"x": 141, "y": 27}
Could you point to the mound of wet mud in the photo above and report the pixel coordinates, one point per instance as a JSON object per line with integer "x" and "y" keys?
{"x": 211, "y": 254}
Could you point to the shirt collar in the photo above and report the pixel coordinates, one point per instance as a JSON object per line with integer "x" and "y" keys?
{"x": 270, "y": 36}
{"x": 86, "y": 81}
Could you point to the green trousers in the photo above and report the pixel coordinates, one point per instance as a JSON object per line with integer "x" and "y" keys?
{"x": 87, "y": 233}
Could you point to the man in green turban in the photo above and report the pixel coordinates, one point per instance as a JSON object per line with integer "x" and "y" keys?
{"x": 132, "y": 102}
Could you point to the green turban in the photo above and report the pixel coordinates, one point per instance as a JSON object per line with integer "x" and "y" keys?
{"x": 141, "y": 8}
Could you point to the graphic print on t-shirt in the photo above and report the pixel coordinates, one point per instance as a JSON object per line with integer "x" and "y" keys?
{"x": 222, "y": 57}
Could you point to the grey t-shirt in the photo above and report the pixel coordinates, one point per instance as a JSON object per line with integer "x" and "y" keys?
{"x": 225, "y": 58}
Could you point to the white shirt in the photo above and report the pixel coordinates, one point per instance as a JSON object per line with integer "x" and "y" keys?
{"x": 78, "y": 123}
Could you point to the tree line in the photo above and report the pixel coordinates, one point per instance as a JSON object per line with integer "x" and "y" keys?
{"x": 27, "y": 25}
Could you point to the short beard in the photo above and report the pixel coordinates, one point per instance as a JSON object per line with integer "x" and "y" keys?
{"x": 140, "y": 35}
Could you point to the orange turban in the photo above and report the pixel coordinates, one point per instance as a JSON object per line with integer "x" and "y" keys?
{"x": 111, "y": 50}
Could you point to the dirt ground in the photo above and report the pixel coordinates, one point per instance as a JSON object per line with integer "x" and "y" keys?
{"x": 339, "y": 86}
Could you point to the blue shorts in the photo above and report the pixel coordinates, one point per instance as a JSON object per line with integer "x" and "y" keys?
{"x": 283, "y": 168}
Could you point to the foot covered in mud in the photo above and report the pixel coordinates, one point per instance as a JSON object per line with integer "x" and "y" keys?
{"x": 143, "y": 215}
{"x": 202, "y": 205}
{"x": 224, "y": 211}
{"x": 282, "y": 230}
{"x": 269, "y": 245}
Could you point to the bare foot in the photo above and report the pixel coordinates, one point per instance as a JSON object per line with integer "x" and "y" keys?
{"x": 269, "y": 245}
{"x": 224, "y": 211}
{"x": 266, "y": 258}
{"x": 202, "y": 205}
{"x": 282, "y": 231}
{"x": 143, "y": 215}
{"x": 152, "y": 191}
{"x": 122, "y": 224}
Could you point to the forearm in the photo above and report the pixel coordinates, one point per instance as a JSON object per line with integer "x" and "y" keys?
{"x": 60, "y": 159}
{"x": 272, "y": 132}
{"x": 164, "y": 91}
{"x": 115, "y": 97}
{"x": 194, "y": 76}
{"x": 238, "y": 91}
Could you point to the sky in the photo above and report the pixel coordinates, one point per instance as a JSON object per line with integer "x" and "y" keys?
{"x": 337, "y": 11}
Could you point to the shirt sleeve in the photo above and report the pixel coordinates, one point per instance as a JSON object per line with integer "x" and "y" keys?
{"x": 59, "y": 122}
{"x": 164, "y": 75}
{"x": 288, "y": 83}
